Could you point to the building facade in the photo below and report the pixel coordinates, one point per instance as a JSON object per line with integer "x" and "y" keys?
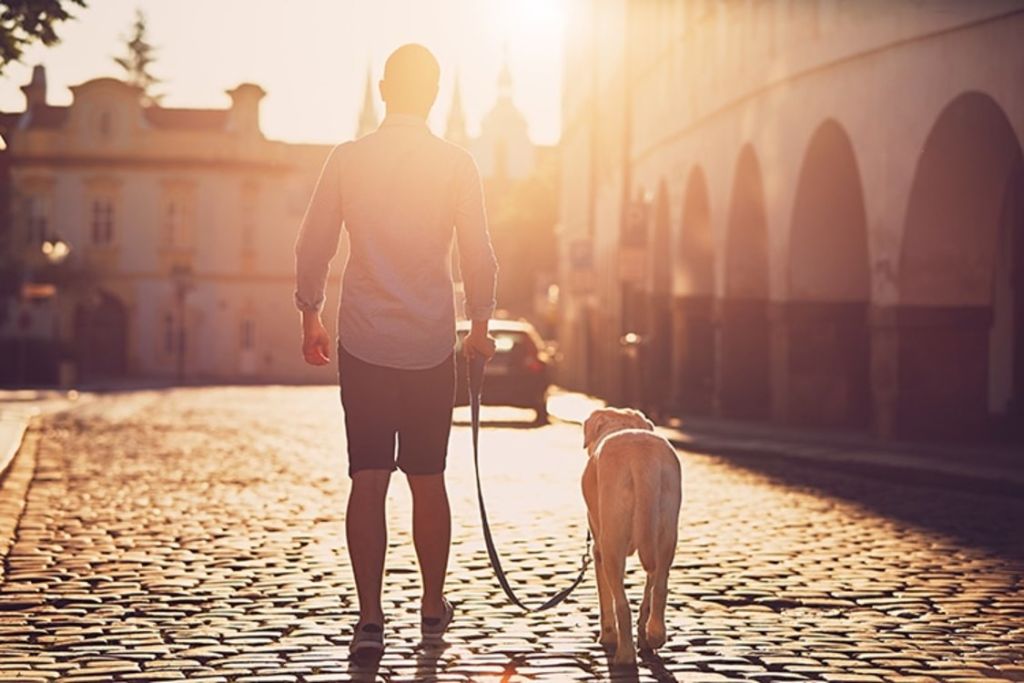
{"x": 805, "y": 211}
{"x": 181, "y": 224}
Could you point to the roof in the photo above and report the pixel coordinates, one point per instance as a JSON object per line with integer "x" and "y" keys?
{"x": 47, "y": 116}
{"x": 187, "y": 119}
{"x": 9, "y": 119}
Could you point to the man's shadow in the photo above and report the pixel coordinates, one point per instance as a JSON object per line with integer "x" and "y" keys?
{"x": 428, "y": 654}
{"x": 363, "y": 668}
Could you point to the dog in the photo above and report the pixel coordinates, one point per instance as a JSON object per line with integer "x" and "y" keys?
{"x": 632, "y": 485}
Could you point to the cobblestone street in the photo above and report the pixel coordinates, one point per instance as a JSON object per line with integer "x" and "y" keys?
{"x": 198, "y": 534}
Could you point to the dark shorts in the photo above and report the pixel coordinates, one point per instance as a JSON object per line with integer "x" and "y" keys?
{"x": 381, "y": 403}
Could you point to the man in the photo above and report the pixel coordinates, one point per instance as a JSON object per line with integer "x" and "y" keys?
{"x": 402, "y": 193}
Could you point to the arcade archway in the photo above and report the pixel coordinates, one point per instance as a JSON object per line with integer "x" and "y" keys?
{"x": 826, "y": 334}
{"x": 961, "y": 313}
{"x": 744, "y": 371}
{"x": 694, "y": 309}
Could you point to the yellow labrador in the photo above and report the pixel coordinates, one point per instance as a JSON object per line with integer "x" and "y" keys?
{"x": 633, "y": 488}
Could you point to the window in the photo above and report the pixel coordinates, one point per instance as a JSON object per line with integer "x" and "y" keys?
{"x": 102, "y": 222}
{"x": 248, "y": 336}
{"x": 105, "y": 125}
{"x": 169, "y": 333}
{"x": 172, "y": 223}
{"x": 178, "y": 220}
{"x": 37, "y": 221}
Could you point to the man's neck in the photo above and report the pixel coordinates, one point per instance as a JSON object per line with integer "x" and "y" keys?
{"x": 388, "y": 111}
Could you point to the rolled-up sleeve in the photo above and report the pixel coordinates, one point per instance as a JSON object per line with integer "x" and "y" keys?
{"x": 318, "y": 237}
{"x": 477, "y": 263}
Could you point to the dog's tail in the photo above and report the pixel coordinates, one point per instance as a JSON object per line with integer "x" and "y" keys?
{"x": 647, "y": 489}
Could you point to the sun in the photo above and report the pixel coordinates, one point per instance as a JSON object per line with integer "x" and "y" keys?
{"x": 526, "y": 21}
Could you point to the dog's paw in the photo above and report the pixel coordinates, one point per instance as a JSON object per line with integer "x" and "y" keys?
{"x": 653, "y": 641}
{"x": 624, "y": 657}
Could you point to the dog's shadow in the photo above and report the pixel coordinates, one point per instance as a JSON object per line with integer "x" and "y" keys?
{"x": 630, "y": 673}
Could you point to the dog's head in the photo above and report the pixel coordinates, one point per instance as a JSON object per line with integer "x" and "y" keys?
{"x": 604, "y": 421}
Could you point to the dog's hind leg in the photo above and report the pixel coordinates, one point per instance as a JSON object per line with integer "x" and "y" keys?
{"x": 616, "y": 527}
{"x": 666, "y": 551}
{"x": 604, "y": 597}
{"x": 645, "y": 613}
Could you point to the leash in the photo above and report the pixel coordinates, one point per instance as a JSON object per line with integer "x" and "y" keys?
{"x": 476, "y": 382}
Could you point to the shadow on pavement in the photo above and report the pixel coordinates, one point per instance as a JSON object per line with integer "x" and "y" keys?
{"x": 363, "y": 668}
{"x": 427, "y": 658}
{"x": 986, "y": 521}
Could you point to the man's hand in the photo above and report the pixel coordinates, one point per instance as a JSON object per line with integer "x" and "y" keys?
{"x": 316, "y": 343}
{"x": 478, "y": 342}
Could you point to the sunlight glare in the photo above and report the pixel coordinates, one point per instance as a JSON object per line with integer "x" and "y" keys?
{"x": 525, "y": 20}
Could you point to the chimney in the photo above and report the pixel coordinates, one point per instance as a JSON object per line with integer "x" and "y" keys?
{"x": 35, "y": 91}
{"x": 244, "y": 117}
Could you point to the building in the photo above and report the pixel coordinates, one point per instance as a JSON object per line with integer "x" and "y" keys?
{"x": 521, "y": 193}
{"x": 181, "y": 224}
{"x": 805, "y": 211}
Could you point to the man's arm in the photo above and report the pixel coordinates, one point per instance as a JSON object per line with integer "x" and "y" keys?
{"x": 315, "y": 247}
{"x": 476, "y": 257}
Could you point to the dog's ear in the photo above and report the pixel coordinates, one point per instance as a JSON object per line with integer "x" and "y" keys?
{"x": 592, "y": 427}
{"x": 643, "y": 419}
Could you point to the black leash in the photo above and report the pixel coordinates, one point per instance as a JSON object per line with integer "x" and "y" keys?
{"x": 476, "y": 382}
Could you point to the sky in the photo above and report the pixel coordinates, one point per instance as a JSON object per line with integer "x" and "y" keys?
{"x": 311, "y": 56}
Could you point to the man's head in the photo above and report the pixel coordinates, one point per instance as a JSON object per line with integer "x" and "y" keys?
{"x": 410, "y": 80}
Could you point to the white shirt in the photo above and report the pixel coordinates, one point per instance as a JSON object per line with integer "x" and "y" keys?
{"x": 402, "y": 194}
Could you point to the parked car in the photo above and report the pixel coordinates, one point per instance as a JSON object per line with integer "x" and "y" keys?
{"x": 518, "y": 375}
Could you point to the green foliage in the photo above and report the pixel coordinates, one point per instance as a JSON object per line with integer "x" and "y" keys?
{"x": 139, "y": 59}
{"x": 25, "y": 21}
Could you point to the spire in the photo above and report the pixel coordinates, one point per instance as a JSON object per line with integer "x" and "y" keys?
{"x": 368, "y": 115}
{"x": 456, "y": 128}
{"x": 505, "y": 77}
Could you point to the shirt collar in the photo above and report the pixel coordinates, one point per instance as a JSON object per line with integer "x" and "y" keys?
{"x": 404, "y": 120}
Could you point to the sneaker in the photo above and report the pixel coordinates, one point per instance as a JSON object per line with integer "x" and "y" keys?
{"x": 368, "y": 639}
{"x": 435, "y": 627}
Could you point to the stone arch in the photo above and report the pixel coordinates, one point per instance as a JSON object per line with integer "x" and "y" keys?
{"x": 694, "y": 357}
{"x": 746, "y": 237}
{"x": 659, "y": 308}
{"x": 961, "y": 314}
{"x": 696, "y": 240}
{"x": 744, "y": 364}
{"x": 825, "y": 330}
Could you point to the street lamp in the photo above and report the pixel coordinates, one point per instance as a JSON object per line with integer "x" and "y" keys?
{"x": 55, "y": 250}
{"x": 181, "y": 275}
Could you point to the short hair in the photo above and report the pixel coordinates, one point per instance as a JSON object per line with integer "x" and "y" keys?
{"x": 413, "y": 73}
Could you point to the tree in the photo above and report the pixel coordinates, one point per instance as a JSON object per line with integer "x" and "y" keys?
{"x": 25, "y": 21}
{"x": 139, "y": 59}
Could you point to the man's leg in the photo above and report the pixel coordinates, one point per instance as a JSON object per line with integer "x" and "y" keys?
{"x": 432, "y": 536}
{"x": 367, "y": 532}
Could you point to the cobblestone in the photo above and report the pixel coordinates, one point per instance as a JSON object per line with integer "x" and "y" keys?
{"x": 198, "y": 534}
